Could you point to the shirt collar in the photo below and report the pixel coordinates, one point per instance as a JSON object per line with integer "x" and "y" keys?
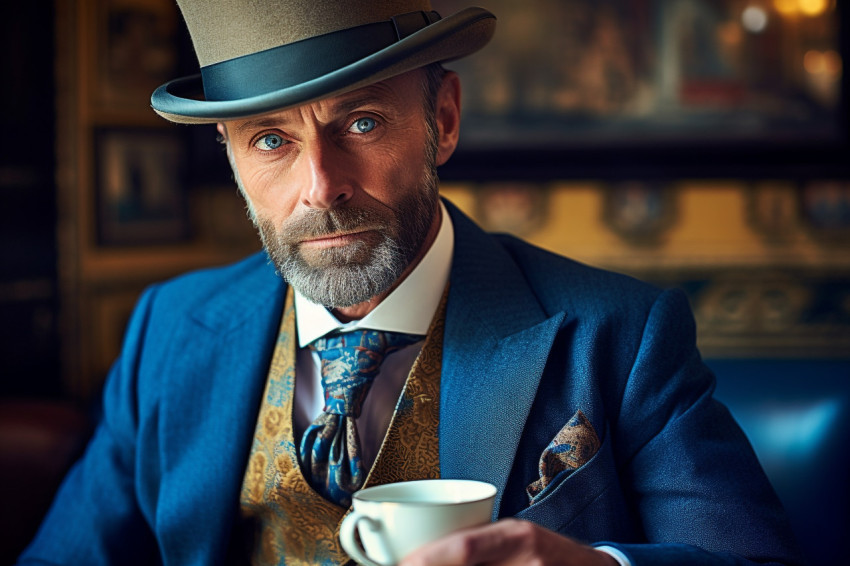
{"x": 409, "y": 308}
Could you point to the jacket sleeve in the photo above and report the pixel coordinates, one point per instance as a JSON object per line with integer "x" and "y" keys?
{"x": 96, "y": 518}
{"x": 694, "y": 481}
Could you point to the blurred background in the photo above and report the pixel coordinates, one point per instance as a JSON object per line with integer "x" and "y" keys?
{"x": 701, "y": 144}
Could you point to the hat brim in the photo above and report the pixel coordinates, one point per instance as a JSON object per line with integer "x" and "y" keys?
{"x": 456, "y": 36}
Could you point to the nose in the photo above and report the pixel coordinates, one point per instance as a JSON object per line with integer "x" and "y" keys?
{"x": 325, "y": 176}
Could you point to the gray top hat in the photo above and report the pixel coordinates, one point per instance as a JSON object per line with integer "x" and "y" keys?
{"x": 257, "y": 57}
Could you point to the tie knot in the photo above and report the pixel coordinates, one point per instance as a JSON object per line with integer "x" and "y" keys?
{"x": 350, "y": 362}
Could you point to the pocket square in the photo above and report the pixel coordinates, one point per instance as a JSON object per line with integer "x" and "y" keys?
{"x": 571, "y": 448}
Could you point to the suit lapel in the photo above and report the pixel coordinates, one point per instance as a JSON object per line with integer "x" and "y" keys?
{"x": 209, "y": 410}
{"x": 496, "y": 343}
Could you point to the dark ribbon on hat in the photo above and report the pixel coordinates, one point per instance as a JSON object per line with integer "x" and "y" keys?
{"x": 301, "y": 61}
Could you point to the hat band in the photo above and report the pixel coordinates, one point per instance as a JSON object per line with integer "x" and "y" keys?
{"x": 301, "y": 61}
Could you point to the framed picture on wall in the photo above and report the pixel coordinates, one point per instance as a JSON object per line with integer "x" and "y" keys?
{"x": 575, "y": 88}
{"x": 141, "y": 195}
{"x": 136, "y": 50}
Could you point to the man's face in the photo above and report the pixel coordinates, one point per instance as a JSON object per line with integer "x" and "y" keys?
{"x": 343, "y": 190}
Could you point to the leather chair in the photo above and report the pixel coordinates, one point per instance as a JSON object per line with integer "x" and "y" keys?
{"x": 39, "y": 440}
{"x": 796, "y": 413}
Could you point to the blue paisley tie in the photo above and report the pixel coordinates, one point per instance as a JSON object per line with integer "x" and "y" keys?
{"x": 330, "y": 447}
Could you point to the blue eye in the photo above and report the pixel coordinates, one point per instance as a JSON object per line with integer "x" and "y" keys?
{"x": 363, "y": 125}
{"x": 269, "y": 142}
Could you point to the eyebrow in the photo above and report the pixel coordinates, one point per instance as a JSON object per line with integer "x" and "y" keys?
{"x": 258, "y": 124}
{"x": 358, "y": 99}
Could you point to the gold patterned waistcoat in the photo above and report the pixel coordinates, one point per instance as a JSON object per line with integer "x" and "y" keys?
{"x": 283, "y": 521}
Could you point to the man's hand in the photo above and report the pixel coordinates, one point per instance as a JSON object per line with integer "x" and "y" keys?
{"x": 508, "y": 541}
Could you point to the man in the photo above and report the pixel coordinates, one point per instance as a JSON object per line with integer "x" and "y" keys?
{"x": 578, "y": 393}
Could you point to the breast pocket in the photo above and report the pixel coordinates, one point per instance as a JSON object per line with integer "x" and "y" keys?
{"x": 574, "y": 492}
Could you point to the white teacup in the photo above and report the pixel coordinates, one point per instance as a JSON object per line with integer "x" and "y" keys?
{"x": 395, "y": 519}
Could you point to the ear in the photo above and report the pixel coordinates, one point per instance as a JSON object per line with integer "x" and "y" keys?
{"x": 222, "y": 129}
{"x": 448, "y": 116}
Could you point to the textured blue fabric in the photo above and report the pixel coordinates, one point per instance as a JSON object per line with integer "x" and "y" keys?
{"x": 330, "y": 447}
{"x": 530, "y": 338}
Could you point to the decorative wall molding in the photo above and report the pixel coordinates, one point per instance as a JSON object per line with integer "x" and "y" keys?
{"x": 764, "y": 280}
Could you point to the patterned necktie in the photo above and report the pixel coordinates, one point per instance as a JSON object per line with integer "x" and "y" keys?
{"x": 330, "y": 447}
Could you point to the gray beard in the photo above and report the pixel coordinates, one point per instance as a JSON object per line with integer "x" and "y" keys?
{"x": 341, "y": 277}
{"x": 345, "y": 276}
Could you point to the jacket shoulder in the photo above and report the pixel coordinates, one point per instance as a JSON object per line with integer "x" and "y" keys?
{"x": 225, "y": 291}
{"x": 561, "y": 283}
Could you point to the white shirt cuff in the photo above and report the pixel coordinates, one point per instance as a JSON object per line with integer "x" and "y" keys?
{"x": 621, "y": 558}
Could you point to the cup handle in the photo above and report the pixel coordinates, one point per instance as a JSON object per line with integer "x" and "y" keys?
{"x": 349, "y": 541}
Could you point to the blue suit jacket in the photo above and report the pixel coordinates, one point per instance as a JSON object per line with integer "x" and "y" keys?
{"x": 530, "y": 338}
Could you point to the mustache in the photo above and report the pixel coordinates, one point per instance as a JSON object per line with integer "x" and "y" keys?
{"x": 316, "y": 223}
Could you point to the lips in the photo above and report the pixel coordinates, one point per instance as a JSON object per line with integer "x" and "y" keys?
{"x": 339, "y": 239}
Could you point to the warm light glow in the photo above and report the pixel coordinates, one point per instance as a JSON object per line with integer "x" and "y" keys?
{"x": 730, "y": 33}
{"x": 832, "y": 63}
{"x": 813, "y": 7}
{"x": 813, "y": 62}
{"x": 826, "y": 62}
{"x": 785, "y": 7}
{"x": 754, "y": 19}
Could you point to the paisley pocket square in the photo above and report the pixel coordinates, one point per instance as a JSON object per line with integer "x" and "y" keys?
{"x": 571, "y": 448}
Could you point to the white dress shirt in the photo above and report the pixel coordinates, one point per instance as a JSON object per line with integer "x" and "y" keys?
{"x": 409, "y": 309}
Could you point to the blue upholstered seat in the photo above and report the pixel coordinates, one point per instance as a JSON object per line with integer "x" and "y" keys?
{"x": 796, "y": 413}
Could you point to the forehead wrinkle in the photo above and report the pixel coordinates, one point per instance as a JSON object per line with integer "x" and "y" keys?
{"x": 378, "y": 94}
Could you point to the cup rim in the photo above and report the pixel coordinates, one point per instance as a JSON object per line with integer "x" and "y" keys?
{"x": 491, "y": 492}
